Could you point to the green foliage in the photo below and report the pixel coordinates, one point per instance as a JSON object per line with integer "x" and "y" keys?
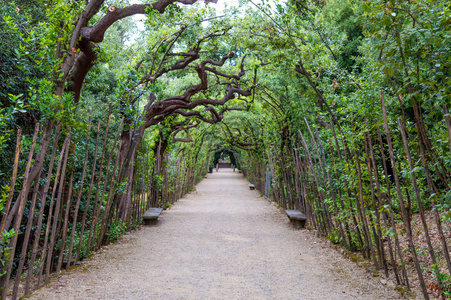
{"x": 117, "y": 229}
{"x": 5, "y": 253}
{"x": 307, "y": 63}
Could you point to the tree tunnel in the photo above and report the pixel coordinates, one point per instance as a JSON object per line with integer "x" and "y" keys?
{"x": 225, "y": 154}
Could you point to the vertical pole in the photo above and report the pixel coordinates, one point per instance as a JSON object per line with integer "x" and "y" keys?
{"x": 43, "y": 198}
{"x": 65, "y": 222}
{"x": 57, "y": 211}
{"x": 418, "y": 197}
{"x": 23, "y": 199}
{"x": 13, "y": 180}
{"x": 110, "y": 156}
{"x": 26, "y": 239}
{"x": 401, "y": 202}
{"x": 378, "y": 236}
{"x": 96, "y": 203}
{"x": 80, "y": 192}
{"x": 85, "y": 213}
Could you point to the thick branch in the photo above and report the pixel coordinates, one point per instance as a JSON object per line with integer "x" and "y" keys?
{"x": 97, "y": 32}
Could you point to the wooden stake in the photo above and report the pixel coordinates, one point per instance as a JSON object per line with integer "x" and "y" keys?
{"x": 57, "y": 211}
{"x": 375, "y": 207}
{"x": 390, "y": 205}
{"x": 42, "y": 205}
{"x": 84, "y": 217}
{"x": 418, "y": 197}
{"x": 26, "y": 238}
{"x": 448, "y": 123}
{"x": 331, "y": 185}
{"x": 110, "y": 156}
{"x": 13, "y": 180}
{"x": 80, "y": 192}
{"x": 401, "y": 202}
{"x": 379, "y": 197}
{"x": 65, "y": 223}
{"x": 98, "y": 204}
{"x": 361, "y": 206}
{"x": 23, "y": 199}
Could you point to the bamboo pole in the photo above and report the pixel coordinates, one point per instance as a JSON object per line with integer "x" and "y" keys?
{"x": 389, "y": 202}
{"x": 348, "y": 190}
{"x": 306, "y": 187}
{"x": 342, "y": 206}
{"x": 376, "y": 207}
{"x": 320, "y": 181}
{"x": 433, "y": 192}
{"x": 108, "y": 212}
{"x": 49, "y": 216}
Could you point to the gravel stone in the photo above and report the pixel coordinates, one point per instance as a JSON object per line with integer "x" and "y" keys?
{"x": 222, "y": 241}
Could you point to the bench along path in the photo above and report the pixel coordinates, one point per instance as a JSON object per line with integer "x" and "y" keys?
{"x": 222, "y": 242}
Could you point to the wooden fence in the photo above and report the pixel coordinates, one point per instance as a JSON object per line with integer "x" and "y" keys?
{"x": 76, "y": 204}
{"x": 390, "y": 204}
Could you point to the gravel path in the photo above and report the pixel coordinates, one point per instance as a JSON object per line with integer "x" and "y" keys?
{"x": 221, "y": 242}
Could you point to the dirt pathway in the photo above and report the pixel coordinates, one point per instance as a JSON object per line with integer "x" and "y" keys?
{"x": 221, "y": 242}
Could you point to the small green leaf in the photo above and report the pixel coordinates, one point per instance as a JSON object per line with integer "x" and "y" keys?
{"x": 390, "y": 71}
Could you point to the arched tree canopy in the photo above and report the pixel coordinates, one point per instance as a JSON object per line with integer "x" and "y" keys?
{"x": 225, "y": 152}
{"x": 340, "y": 108}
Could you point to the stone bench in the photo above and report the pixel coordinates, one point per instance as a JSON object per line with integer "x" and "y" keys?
{"x": 251, "y": 186}
{"x": 151, "y": 215}
{"x": 296, "y": 218}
